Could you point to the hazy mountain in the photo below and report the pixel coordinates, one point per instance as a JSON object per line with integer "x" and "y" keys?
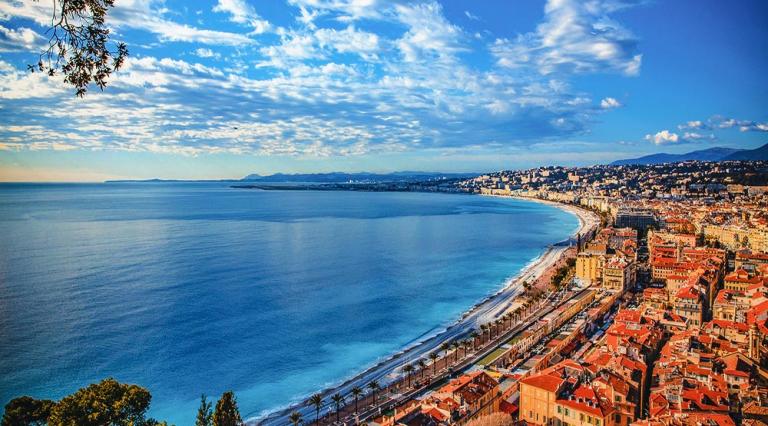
{"x": 750, "y": 154}
{"x": 357, "y": 177}
{"x": 711, "y": 154}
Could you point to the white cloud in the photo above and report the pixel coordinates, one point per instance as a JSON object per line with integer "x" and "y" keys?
{"x": 743, "y": 125}
{"x": 693, "y": 130}
{"x": 149, "y": 15}
{"x": 343, "y": 10}
{"x": 695, "y": 137}
{"x": 471, "y": 16}
{"x": 576, "y": 36}
{"x": 243, "y": 13}
{"x": 349, "y": 40}
{"x": 719, "y": 122}
{"x": 39, "y": 12}
{"x": 609, "y": 103}
{"x": 20, "y": 39}
{"x": 429, "y": 34}
{"x": 318, "y": 88}
{"x": 663, "y": 137}
{"x": 206, "y": 53}
{"x": 145, "y": 15}
{"x": 693, "y": 125}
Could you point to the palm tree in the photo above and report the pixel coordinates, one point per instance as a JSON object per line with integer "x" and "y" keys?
{"x": 374, "y": 386}
{"x": 338, "y": 400}
{"x": 408, "y": 369}
{"x": 445, "y": 347}
{"x": 474, "y": 336}
{"x": 455, "y": 346}
{"x": 467, "y": 345}
{"x": 433, "y": 356}
{"x": 422, "y": 365}
{"x": 317, "y": 401}
{"x": 295, "y": 418}
{"x": 356, "y": 392}
{"x": 484, "y": 328}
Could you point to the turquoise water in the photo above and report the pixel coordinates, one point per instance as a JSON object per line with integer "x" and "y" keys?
{"x": 199, "y": 288}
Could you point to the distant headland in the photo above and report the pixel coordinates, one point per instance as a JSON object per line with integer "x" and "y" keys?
{"x": 331, "y": 177}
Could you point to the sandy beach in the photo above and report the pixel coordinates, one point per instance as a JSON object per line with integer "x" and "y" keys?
{"x": 489, "y": 309}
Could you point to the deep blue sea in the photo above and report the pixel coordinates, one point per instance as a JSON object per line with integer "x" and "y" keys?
{"x": 190, "y": 288}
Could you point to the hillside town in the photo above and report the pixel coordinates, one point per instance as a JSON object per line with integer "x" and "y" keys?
{"x": 659, "y": 316}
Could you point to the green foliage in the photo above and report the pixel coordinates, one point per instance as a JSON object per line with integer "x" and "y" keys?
{"x": 78, "y": 44}
{"x": 227, "y": 413}
{"x": 317, "y": 401}
{"x": 338, "y": 400}
{"x": 562, "y": 275}
{"x": 26, "y": 411}
{"x": 105, "y": 403}
{"x": 204, "y": 413}
{"x": 295, "y": 418}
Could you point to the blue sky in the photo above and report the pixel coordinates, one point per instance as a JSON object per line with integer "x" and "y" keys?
{"x": 223, "y": 88}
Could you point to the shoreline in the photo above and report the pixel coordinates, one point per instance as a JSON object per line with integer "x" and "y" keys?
{"x": 491, "y": 307}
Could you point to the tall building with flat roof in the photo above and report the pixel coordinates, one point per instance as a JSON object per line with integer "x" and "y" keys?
{"x": 637, "y": 219}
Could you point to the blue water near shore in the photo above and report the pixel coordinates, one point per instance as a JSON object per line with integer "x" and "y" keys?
{"x": 190, "y": 288}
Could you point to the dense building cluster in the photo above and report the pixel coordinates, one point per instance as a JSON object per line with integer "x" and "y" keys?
{"x": 684, "y": 253}
{"x": 658, "y": 316}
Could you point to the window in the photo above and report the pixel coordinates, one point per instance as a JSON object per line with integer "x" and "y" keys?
{"x": 617, "y": 417}
{"x": 618, "y": 398}
{"x": 581, "y": 417}
{"x": 597, "y": 422}
{"x": 559, "y": 409}
{"x": 589, "y": 419}
{"x": 567, "y": 412}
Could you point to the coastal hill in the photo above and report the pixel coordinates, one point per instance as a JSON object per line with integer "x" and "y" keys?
{"x": 750, "y": 154}
{"x": 339, "y": 177}
{"x": 332, "y": 177}
{"x": 711, "y": 154}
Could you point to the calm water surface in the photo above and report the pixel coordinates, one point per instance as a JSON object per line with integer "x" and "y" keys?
{"x": 198, "y": 288}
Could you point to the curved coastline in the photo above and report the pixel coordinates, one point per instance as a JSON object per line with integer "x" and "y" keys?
{"x": 488, "y": 309}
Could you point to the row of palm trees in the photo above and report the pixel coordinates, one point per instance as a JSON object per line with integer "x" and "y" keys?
{"x": 493, "y": 329}
{"x": 338, "y": 400}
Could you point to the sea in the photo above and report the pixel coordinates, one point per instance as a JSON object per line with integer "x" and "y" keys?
{"x": 198, "y": 288}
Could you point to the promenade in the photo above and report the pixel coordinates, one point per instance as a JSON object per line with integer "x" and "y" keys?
{"x": 453, "y": 363}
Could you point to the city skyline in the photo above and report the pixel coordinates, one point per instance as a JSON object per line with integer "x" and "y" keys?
{"x": 225, "y": 88}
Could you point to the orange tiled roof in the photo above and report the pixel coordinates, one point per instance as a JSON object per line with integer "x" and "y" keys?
{"x": 548, "y": 382}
